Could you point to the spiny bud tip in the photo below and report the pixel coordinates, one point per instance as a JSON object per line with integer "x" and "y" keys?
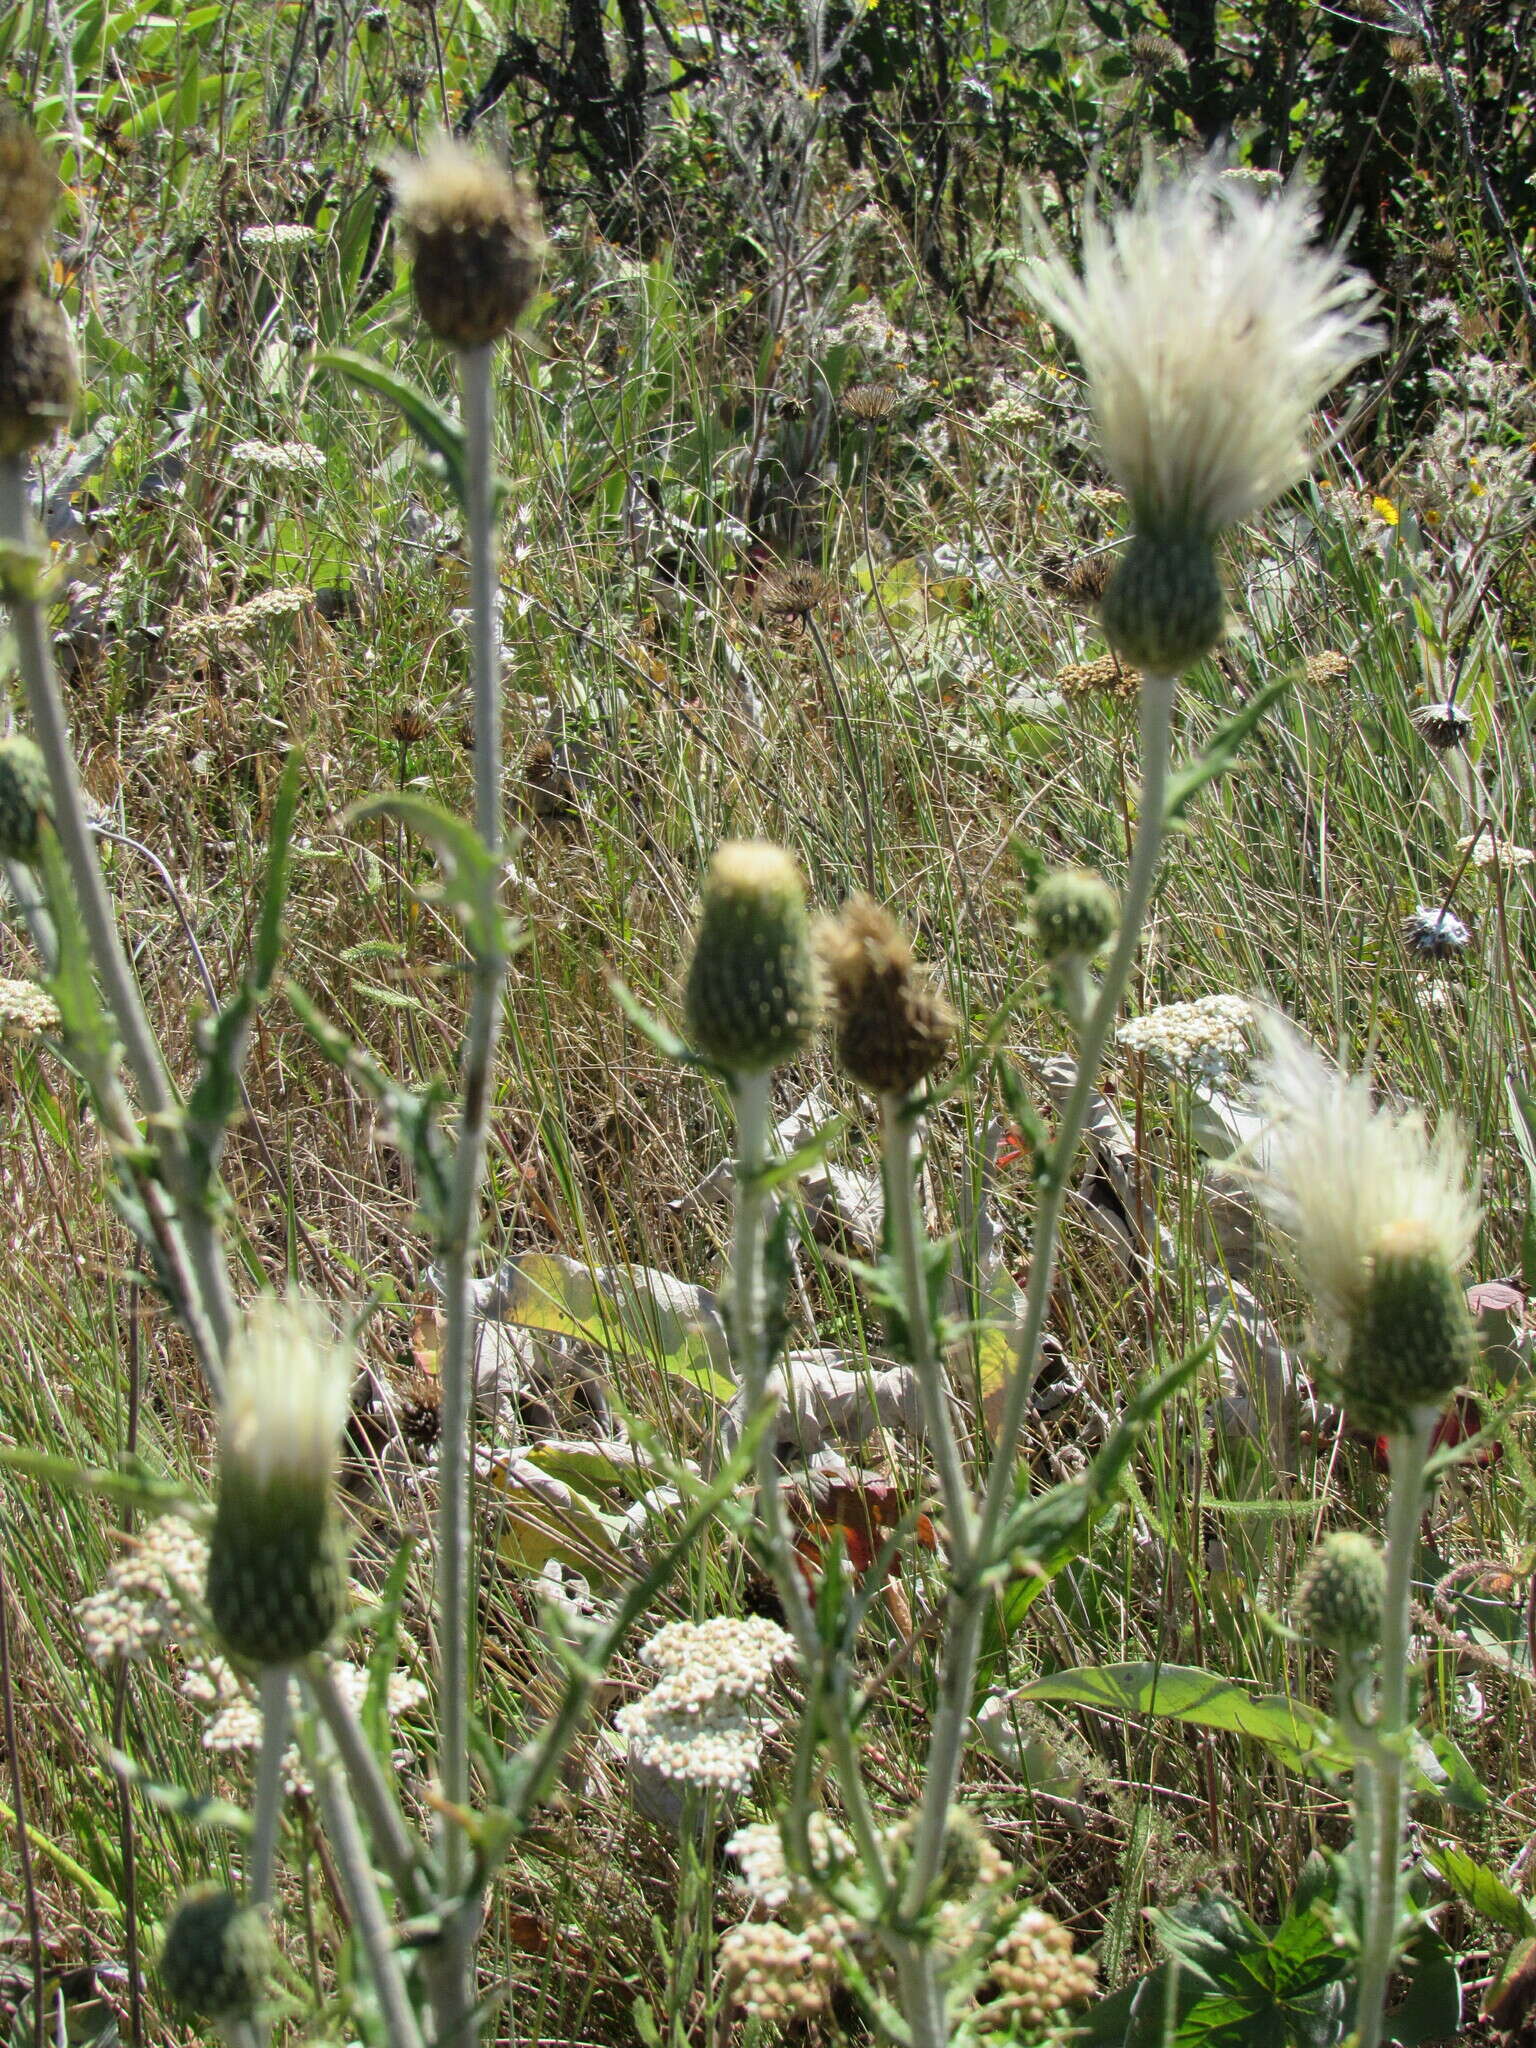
{"x": 752, "y": 997}
{"x": 1342, "y": 1596}
{"x": 217, "y": 1956}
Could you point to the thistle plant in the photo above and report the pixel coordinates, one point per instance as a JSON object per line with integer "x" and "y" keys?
{"x": 1208, "y": 327}
{"x": 1381, "y": 1217}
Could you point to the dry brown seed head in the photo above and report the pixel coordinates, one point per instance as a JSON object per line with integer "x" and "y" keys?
{"x": 893, "y": 1027}
{"x": 869, "y": 402}
{"x": 411, "y": 722}
{"x": 477, "y": 240}
{"x": 38, "y": 372}
{"x": 29, "y": 193}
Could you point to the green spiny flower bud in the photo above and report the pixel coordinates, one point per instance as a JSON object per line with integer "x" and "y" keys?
{"x": 29, "y": 192}
{"x": 1073, "y": 912}
{"x": 1164, "y": 607}
{"x": 752, "y": 997}
{"x": 218, "y": 1955}
{"x": 38, "y": 372}
{"x": 24, "y": 797}
{"x": 1342, "y": 1595}
{"x": 893, "y": 1029}
{"x": 276, "y": 1563}
{"x": 476, "y": 239}
{"x": 1410, "y": 1340}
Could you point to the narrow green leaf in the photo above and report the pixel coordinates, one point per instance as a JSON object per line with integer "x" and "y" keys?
{"x": 1221, "y": 750}
{"x": 1295, "y": 1733}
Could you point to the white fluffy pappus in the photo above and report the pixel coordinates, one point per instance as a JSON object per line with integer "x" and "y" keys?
{"x": 286, "y": 1392}
{"x": 1340, "y": 1173}
{"x": 1209, "y": 324}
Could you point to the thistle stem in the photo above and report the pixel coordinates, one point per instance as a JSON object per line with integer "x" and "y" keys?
{"x": 361, "y": 1890}
{"x": 460, "y": 1230}
{"x": 751, "y": 1094}
{"x": 968, "y": 1601}
{"x": 207, "y": 1308}
{"x": 274, "y": 1689}
{"x": 899, "y": 1133}
{"x": 392, "y": 1843}
{"x": 1408, "y": 1451}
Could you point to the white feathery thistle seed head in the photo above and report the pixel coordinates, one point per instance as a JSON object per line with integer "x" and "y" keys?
{"x": 1346, "y": 1178}
{"x": 1209, "y": 326}
{"x": 286, "y": 1394}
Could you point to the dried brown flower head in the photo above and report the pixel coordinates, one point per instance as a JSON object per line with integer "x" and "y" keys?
{"x": 1443, "y": 726}
{"x": 411, "y": 722}
{"x": 893, "y": 1027}
{"x": 38, "y": 372}
{"x": 795, "y": 591}
{"x": 1150, "y": 53}
{"x": 477, "y": 240}
{"x": 870, "y": 403}
{"x": 29, "y": 193}
{"x": 551, "y": 792}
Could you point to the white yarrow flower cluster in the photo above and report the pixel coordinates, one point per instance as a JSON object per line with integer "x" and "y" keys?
{"x": 149, "y": 1598}
{"x": 1342, "y": 1175}
{"x": 1484, "y": 850}
{"x": 1199, "y": 1039}
{"x": 1209, "y": 326}
{"x": 704, "y": 1722}
{"x": 278, "y": 235}
{"x": 234, "y": 1727}
{"x": 758, "y": 1851}
{"x": 278, "y": 458}
{"x": 26, "y": 1009}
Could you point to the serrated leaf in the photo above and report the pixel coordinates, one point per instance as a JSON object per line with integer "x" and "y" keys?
{"x": 1482, "y": 1889}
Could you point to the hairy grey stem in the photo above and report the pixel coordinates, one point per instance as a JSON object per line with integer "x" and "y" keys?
{"x": 275, "y": 1681}
{"x": 454, "y": 1555}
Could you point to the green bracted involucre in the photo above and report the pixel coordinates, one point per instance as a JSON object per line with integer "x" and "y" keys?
{"x": 217, "y": 1957}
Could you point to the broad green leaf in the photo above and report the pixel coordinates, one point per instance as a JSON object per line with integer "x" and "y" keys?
{"x": 1482, "y": 1889}
{"x": 626, "y": 1310}
{"x": 596, "y": 1468}
{"x": 1291, "y": 1731}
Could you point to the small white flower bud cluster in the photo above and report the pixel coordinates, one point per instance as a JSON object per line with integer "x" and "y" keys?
{"x": 1485, "y": 851}
{"x": 1198, "y": 1039}
{"x": 703, "y": 1723}
{"x": 775, "y": 1972}
{"x": 211, "y": 629}
{"x": 234, "y": 1727}
{"x": 1038, "y": 1974}
{"x": 278, "y": 235}
{"x": 148, "y": 1600}
{"x": 278, "y": 458}
{"x": 758, "y": 1850}
{"x": 26, "y": 1009}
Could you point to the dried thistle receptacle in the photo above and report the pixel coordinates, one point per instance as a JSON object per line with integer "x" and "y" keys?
{"x": 893, "y": 1027}
{"x": 38, "y": 373}
{"x": 476, "y": 239}
{"x": 29, "y": 192}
